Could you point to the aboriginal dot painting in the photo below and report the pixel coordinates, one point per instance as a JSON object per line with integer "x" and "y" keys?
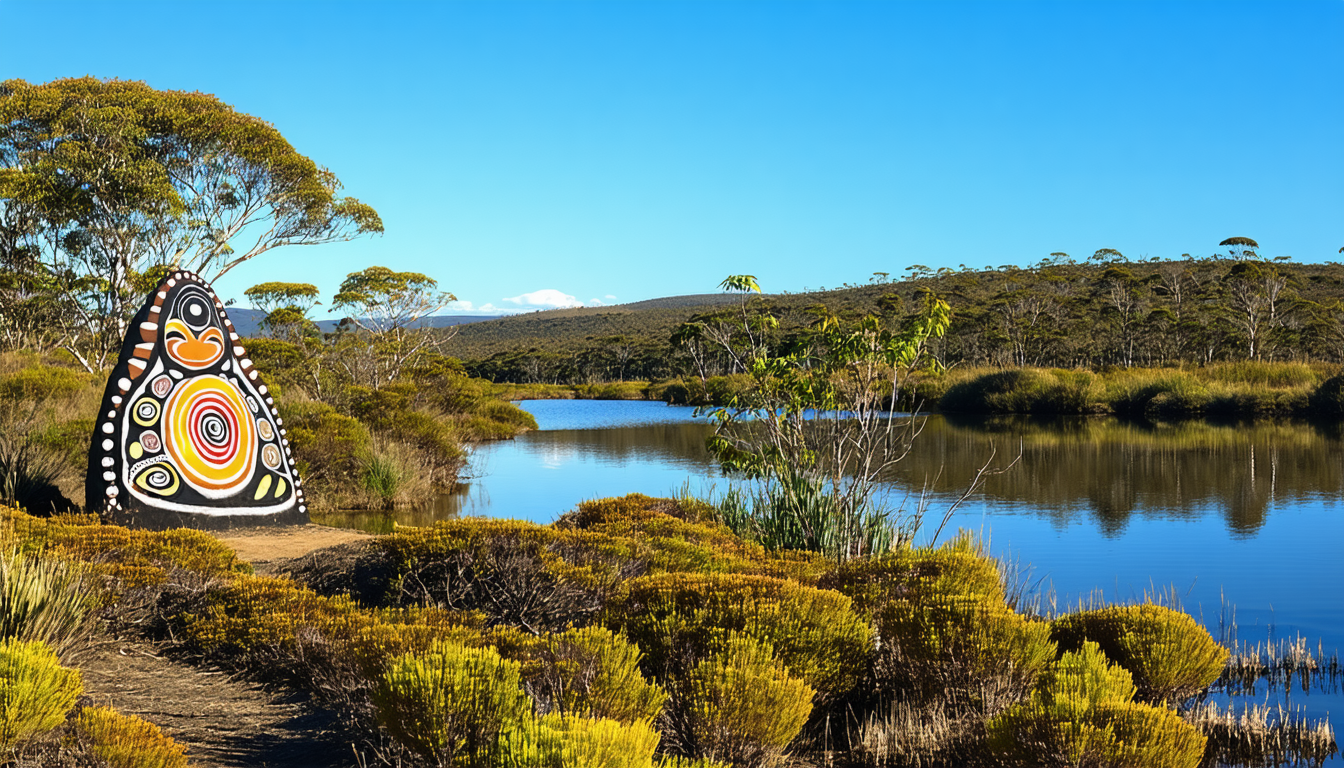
{"x": 188, "y": 434}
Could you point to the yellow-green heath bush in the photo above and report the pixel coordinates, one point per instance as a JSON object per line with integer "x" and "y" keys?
{"x": 125, "y": 741}
{"x": 1083, "y": 713}
{"x": 742, "y": 706}
{"x": 1170, "y": 655}
{"x": 556, "y": 741}
{"x": 36, "y": 692}
{"x": 961, "y": 643}
{"x": 593, "y": 672}
{"x": 454, "y": 704}
{"x": 677, "y": 619}
{"x": 916, "y": 576}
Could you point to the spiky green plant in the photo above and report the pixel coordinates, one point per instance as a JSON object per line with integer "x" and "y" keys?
{"x": 46, "y": 599}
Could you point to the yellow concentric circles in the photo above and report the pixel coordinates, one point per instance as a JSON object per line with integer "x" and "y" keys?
{"x": 210, "y": 436}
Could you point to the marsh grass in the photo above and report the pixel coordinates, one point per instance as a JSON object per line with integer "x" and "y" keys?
{"x": 1281, "y": 665}
{"x": 903, "y": 735}
{"x": 393, "y": 475}
{"x": 1261, "y": 735}
{"x": 1239, "y": 389}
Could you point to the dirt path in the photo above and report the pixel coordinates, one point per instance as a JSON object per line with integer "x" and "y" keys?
{"x": 265, "y": 547}
{"x": 223, "y": 722}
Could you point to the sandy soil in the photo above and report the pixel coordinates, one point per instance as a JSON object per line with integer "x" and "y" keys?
{"x": 264, "y": 548}
{"x": 223, "y": 722}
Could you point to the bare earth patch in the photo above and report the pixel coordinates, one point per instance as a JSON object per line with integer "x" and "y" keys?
{"x": 264, "y": 548}
{"x": 222, "y": 721}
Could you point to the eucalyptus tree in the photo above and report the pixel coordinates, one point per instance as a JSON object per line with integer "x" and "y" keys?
{"x": 119, "y": 182}
{"x": 385, "y": 310}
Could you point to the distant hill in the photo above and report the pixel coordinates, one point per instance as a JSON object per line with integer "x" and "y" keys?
{"x": 248, "y": 321}
{"x": 1053, "y": 314}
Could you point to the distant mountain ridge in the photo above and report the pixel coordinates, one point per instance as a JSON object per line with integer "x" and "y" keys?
{"x": 248, "y": 321}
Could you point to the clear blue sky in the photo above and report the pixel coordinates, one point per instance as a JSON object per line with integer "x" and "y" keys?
{"x": 642, "y": 149}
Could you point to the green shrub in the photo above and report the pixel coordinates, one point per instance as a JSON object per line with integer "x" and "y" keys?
{"x": 742, "y": 706}
{"x": 326, "y": 446}
{"x": 1328, "y": 398}
{"x": 453, "y": 704}
{"x": 41, "y": 383}
{"x": 1082, "y": 714}
{"x": 915, "y": 575}
{"x": 593, "y": 672}
{"x": 1026, "y": 390}
{"x": 947, "y": 645}
{"x": 125, "y": 741}
{"x": 677, "y": 619}
{"x": 46, "y": 600}
{"x": 36, "y": 692}
{"x": 1170, "y": 655}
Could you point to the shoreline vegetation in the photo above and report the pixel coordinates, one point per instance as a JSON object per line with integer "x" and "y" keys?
{"x": 637, "y": 633}
{"x": 1219, "y": 390}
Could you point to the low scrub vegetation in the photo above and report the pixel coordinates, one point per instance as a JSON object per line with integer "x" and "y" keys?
{"x": 639, "y": 633}
{"x": 355, "y": 447}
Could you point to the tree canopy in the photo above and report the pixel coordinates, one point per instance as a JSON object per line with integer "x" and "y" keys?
{"x": 103, "y": 181}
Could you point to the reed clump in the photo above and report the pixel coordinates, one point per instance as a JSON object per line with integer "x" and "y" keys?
{"x": 1280, "y": 664}
{"x": 1262, "y": 735}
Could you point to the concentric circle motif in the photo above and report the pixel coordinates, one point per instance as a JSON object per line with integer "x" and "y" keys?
{"x": 150, "y": 442}
{"x": 270, "y": 455}
{"x": 159, "y": 479}
{"x": 265, "y": 429}
{"x": 146, "y": 411}
{"x": 210, "y": 436}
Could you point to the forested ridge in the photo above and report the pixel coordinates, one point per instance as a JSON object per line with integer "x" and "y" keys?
{"x": 1107, "y": 311}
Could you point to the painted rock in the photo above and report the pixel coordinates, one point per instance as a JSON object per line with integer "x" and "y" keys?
{"x": 187, "y": 435}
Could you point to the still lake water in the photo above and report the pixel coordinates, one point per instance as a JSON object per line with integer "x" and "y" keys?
{"x": 1250, "y": 516}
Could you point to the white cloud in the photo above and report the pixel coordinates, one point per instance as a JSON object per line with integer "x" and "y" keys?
{"x": 457, "y": 307}
{"x": 546, "y": 298}
{"x": 609, "y": 297}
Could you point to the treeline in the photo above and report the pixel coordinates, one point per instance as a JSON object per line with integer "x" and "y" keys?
{"x": 1105, "y": 311}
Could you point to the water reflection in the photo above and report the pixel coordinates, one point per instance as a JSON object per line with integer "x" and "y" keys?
{"x": 1112, "y": 470}
{"x": 1100, "y": 469}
